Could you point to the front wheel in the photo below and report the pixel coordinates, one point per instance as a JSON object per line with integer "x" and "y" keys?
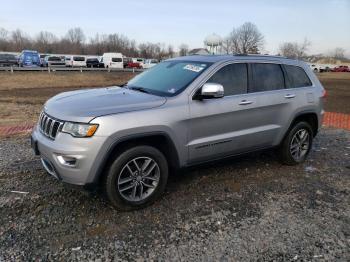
{"x": 136, "y": 178}
{"x": 296, "y": 145}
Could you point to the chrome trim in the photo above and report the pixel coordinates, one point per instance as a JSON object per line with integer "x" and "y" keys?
{"x": 47, "y": 125}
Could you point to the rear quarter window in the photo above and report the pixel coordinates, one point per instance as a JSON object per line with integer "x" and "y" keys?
{"x": 266, "y": 77}
{"x": 296, "y": 77}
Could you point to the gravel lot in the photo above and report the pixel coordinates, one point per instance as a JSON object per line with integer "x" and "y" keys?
{"x": 246, "y": 208}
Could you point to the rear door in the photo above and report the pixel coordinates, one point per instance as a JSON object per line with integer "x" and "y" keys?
{"x": 273, "y": 104}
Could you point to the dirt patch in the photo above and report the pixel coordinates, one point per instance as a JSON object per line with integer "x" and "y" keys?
{"x": 338, "y": 91}
{"x": 22, "y": 95}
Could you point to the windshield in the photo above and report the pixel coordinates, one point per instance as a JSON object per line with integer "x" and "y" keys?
{"x": 168, "y": 78}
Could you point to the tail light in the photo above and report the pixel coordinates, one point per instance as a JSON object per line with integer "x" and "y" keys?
{"x": 324, "y": 93}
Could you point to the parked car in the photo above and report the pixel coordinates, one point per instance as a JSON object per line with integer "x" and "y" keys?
{"x": 29, "y": 58}
{"x": 112, "y": 60}
{"x": 179, "y": 113}
{"x": 8, "y": 60}
{"x": 53, "y": 61}
{"x": 129, "y": 63}
{"x": 93, "y": 62}
{"x": 341, "y": 69}
{"x": 150, "y": 63}
{"x": 75, "y": 61}
{"x": 42, "y": 59}
{"x": 141, "y": 61}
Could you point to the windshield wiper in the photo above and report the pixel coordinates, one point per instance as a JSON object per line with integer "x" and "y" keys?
{"x": 138, "y": 88}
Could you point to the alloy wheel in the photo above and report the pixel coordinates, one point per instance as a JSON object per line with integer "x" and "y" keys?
{"x": 138, "y": 179}
{"x": 299, "y": 145}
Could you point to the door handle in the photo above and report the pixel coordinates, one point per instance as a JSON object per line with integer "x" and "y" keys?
{"x": 289, "y": 96}
{"x": 245, "y": 102}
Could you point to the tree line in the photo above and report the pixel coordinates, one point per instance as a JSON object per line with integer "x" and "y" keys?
{"x": 245, "y": 39}
{"x": 75, "y": 42}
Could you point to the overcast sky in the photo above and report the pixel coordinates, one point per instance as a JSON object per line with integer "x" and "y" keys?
{"x": 326, "y": 23}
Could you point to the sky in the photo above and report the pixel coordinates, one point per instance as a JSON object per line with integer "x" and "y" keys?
{"x": 325, "y": 23}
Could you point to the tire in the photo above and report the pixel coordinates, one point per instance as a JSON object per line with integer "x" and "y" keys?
{"x": 119, "y": 182}
{"x": 295, "y": 147}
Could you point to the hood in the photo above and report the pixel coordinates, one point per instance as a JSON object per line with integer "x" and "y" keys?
{"x": 85, "y": 105}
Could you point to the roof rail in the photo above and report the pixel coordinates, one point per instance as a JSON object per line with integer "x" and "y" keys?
{"x": 259, "y": 55}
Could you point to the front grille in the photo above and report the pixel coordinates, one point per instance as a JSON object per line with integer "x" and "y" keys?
{"x": 49, "y": 126}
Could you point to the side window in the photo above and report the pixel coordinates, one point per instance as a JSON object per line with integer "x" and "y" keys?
{"x": 297, "y": 77}
{"x": 266, "y": 77}
{"x": 233, "y": 78}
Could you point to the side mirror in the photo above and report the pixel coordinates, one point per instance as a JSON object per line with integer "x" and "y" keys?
{"x": 211, "y": 90}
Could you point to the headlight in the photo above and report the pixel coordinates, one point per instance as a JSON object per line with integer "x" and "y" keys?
{"x": 79, "y": 130}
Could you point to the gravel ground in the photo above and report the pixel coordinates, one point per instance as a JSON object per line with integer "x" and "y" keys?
{"x": 246, "y": 208}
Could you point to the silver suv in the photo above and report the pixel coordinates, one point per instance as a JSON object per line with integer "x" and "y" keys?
{"x": 179, "y": 113}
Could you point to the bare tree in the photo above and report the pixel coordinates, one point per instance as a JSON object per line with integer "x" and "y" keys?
{"x": 246, "y": 39}
{"x": 294, "y": 50}
{"x": 183, "y": 49}
{"x": 75, "y": 35}
{"x": 44, "y": 42}
{"x": 338, "y": 53}
{"x": 171, "y": 51}
{"x": 3, "y": 39}
{"x": 19, "y": 40}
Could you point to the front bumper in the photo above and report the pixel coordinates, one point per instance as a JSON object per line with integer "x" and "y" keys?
{"x": 84, "y": 151}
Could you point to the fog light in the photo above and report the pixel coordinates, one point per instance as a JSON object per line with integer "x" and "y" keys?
{"x": 67, "y": 160}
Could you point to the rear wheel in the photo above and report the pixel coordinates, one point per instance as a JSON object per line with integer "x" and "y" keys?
{"x": 136, "y": 178}
{"x": 296, "y": 146}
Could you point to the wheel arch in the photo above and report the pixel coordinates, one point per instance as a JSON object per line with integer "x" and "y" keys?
{"x": 308, "y": 116}
{"x": 159, "y": 140}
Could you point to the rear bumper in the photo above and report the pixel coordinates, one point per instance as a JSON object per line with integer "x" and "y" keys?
{"x": 82, "y": 153}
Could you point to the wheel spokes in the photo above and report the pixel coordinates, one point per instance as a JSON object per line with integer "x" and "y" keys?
{"x": 138, "y": 178}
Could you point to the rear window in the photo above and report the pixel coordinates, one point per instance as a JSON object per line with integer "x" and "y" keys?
{"x": 233, "y": 78}
{"x": 92, "y": 60}
{"x": 297, "y": 77}
{"x": 266, "y": 77}
{"x": 116, "y": 59}
{"x": 79, "y": 58}
{"x": 54, "y": 58}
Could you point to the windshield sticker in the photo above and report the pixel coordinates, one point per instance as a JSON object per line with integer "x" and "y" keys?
{"x": 193, "y": 68}
{"x": 172, "y": 90}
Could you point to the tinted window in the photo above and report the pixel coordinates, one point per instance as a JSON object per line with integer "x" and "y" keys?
{"x": 115, "y": 59}
{"x": 79, "y": 58}
{"x": 297, "y": 77}
{"x": 266, "y": 77}
{"x": 233, "y": 78}
{"x": 54, "y": 58}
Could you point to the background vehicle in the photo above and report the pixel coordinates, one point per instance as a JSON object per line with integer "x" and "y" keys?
{"x": 129, "y": 63}
{"x": 75, "y": 61}
{"x": 52, "y": 61}
{"x": 180, "y": 113}
{"x": 29, "y": 58}
{"x": 141, "y": 61}
{"x": 341, "y": 69}
{"x": 150, "y": 63}
{"x": 42, "y": 59}
{"x": 93, "y": 62}
{"x": 8, "y": 60}
{"x": 113, "y": 60}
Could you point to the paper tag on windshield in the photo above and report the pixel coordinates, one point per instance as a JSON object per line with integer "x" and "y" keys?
{"x": 193, "y": 68}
